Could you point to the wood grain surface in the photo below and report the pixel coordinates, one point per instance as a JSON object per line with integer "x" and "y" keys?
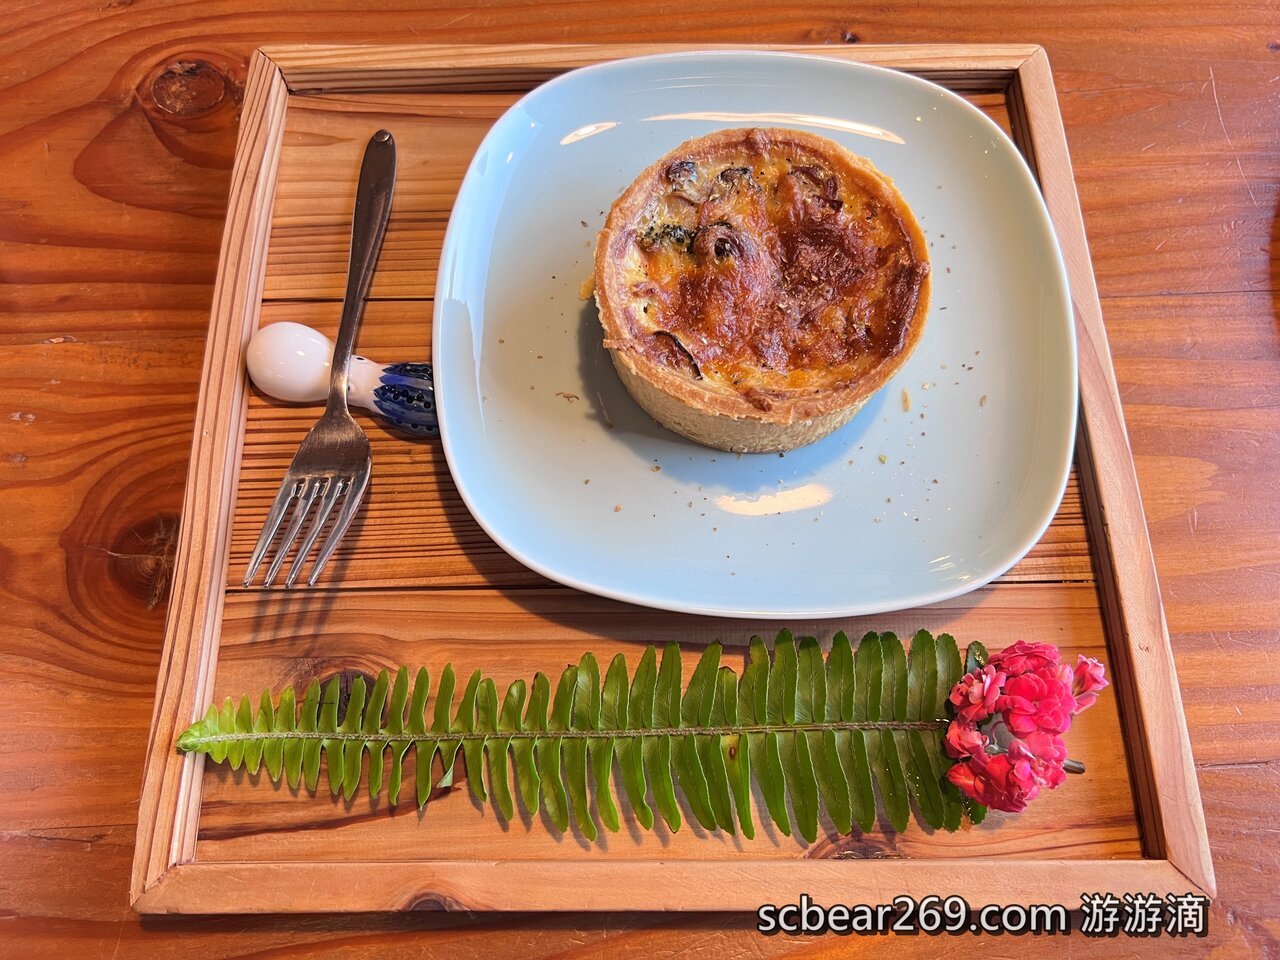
{"x": 119, "y": 124}
{"x": 1141, "y": 801}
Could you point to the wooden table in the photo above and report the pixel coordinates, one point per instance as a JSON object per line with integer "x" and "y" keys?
{"x": 119, "y": 128}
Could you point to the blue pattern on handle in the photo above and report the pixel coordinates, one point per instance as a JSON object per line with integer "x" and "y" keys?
{"x": 407, "y": 397}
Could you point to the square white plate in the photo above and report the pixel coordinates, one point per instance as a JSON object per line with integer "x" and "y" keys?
{"x": 899, "y": 508}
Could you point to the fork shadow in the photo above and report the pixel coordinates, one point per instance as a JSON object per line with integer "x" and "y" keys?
{"x": 302, "y": 613}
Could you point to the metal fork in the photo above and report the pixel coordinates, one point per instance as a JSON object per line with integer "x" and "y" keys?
{"x": 334, "y": 459}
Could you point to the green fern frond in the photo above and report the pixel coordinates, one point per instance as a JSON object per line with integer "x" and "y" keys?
{"x": 816, "y": 731}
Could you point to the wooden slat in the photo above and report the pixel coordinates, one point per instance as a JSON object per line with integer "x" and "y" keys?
{"x": 265, "y": 886}
{"x": 1160, "y": 759}
{"x": 469, "y": 68}
{"x": 171, "y": 783}
{"x": 510, "y": 636}
{"x": 436, "y": 137}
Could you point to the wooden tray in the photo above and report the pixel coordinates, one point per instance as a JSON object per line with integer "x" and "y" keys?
{"x": 419, "y": 583}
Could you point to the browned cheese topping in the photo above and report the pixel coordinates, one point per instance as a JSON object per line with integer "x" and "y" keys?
{"x": 766, "y": 271}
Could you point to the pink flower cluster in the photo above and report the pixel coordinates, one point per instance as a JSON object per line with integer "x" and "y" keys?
{"x": 1010, "y": 718}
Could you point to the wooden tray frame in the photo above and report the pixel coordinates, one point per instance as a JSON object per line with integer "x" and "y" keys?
{"x": 167, "y": 877}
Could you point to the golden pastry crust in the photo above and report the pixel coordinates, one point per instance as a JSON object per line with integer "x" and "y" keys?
{"x": 756, "y": 286}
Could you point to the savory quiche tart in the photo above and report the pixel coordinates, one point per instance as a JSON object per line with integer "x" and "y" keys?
{"x": 756, "y": 286}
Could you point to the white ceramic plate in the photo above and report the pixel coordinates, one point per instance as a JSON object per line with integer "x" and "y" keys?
{"x": 897, "y": 509}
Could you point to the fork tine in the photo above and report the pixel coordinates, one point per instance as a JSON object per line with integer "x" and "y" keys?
{"x": 333, "y": 490}
{"x": 359, "y": 484}
{"x": 300, "y": 510}
{"x": 284, "y": 496}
